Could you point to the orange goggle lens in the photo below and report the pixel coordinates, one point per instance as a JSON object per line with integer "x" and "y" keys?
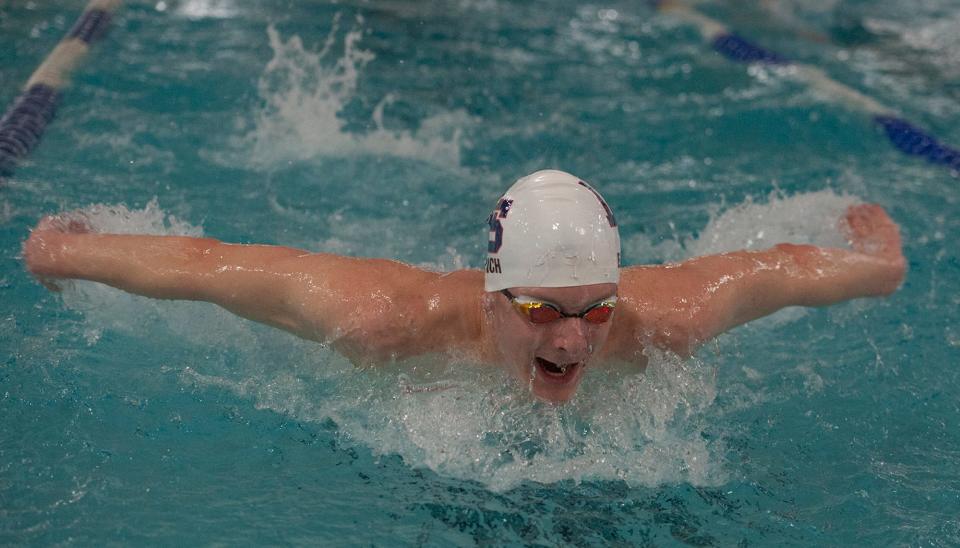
{"x": 543, "y": 312}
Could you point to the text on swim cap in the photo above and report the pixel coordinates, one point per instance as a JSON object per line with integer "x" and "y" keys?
{"x": 496, "y": 228}
{"x": 493, "y": 266}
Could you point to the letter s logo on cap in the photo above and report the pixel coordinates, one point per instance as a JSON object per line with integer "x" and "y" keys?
{"x": 496, "y": 227}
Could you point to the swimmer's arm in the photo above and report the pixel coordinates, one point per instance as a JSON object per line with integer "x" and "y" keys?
{"x": 372, "y": 309}
{"x": 698, "y": 299}
{"x": 163, "y": 267}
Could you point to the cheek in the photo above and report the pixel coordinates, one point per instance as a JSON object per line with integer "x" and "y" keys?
{"x": 517, "y": 340}
{"x": 598, "y": 335}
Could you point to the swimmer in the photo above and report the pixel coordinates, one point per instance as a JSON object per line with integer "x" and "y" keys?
{"x": 551, "y": 302}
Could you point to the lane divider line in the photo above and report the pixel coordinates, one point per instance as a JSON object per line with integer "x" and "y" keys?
{"x": 23, "y": 123}
{"x": 905, "y": 136}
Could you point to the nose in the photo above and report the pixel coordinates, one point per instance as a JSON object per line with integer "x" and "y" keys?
{"x": 571, "y": 339}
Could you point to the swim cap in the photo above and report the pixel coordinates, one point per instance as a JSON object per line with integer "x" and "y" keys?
{"x": 550, "y": 229}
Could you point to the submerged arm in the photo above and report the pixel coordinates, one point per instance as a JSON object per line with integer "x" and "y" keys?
{"x": 698, "y": 299}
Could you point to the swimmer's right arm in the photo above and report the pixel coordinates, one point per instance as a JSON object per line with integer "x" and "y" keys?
{"x": 373, "y": 310}
{"x": 160, "y": 267}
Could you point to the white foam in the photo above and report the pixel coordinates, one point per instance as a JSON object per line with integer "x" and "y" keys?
{"x": 476, "y": 425}
{"x": 204, "y": 9}
{"x": 104, "y": 306}
{"x": 304, "y": 94}
{"x": 119, "y": 219}
{"x": 809, "y": 218}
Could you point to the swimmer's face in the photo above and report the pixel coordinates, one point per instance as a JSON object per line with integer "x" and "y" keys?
{"x": 550, "y": 357}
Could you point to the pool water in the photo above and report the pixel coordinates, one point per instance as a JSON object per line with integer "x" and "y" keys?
{"x": 388, "y": 129}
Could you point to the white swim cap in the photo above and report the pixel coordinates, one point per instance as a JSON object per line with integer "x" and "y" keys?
{"x": 550, "y": 229}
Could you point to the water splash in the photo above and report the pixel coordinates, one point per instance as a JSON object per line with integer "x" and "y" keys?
{"x": 463, "y": 420}
{"x": 478, "y": 425}
{"x": 809, "y": 218}
{"x": 120, "y": 219}
{"x": 305, "y": 93}
{"x": 106, "y": 307}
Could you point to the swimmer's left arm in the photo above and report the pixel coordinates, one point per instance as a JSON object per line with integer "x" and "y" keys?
{"x": 698, "y": 299}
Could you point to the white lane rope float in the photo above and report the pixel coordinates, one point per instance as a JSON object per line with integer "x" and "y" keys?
{"x": 23, "y": 123}
{"x": 905, "y": 136}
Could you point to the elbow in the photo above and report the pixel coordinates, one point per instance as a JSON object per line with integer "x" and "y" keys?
{"x": 186, "y": 271}
{"x": 202, "y": 249}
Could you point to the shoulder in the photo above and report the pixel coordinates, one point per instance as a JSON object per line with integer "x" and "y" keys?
{"x": 402, "y": 311}
{"x": 451, "y": 305}
{"x": 657, "y": 306}
{"x": 658, "y": 289}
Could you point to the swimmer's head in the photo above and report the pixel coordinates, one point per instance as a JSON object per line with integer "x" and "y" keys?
{"x": 554, "y": 246}
{"x": 551, "y": 229}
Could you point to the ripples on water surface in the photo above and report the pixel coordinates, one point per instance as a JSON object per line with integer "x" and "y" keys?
{"x": 388, "y": 129}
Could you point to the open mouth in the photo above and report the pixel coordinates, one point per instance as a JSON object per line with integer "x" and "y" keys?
{"x": 557, "y": 371}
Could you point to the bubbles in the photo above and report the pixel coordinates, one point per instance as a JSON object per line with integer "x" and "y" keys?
{"x": 203, "y": 9}
{"x": 304, "y": 95}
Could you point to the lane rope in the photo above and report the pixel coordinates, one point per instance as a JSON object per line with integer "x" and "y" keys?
{"x": 23, "y": 123}
{"x": 905, "y": 136}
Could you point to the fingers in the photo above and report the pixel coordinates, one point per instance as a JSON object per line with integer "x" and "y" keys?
{"x": 871, "y": 215}
{"x": 863, "y": 219}
{"x": 35, "y": 249}
{"x": 870, "y": 230}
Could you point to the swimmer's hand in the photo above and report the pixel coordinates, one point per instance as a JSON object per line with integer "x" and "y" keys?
{"x": 42, "y": 251}
{"x": 872, "y": 233}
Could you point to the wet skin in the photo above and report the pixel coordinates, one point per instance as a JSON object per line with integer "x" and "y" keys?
{"x": 551, "y": 357}
{"x": 378, "y": 311}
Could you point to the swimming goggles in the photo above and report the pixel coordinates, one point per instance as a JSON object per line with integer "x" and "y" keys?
{"x": 544, "y": 312}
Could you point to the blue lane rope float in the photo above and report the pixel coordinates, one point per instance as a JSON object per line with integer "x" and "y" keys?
{"x": 905, "y": 136}
{"x": 24, "y": 121}
{"x": 737, "y": 48}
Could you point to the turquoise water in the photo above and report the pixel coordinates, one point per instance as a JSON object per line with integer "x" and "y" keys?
{"x": 388, "y": 130}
